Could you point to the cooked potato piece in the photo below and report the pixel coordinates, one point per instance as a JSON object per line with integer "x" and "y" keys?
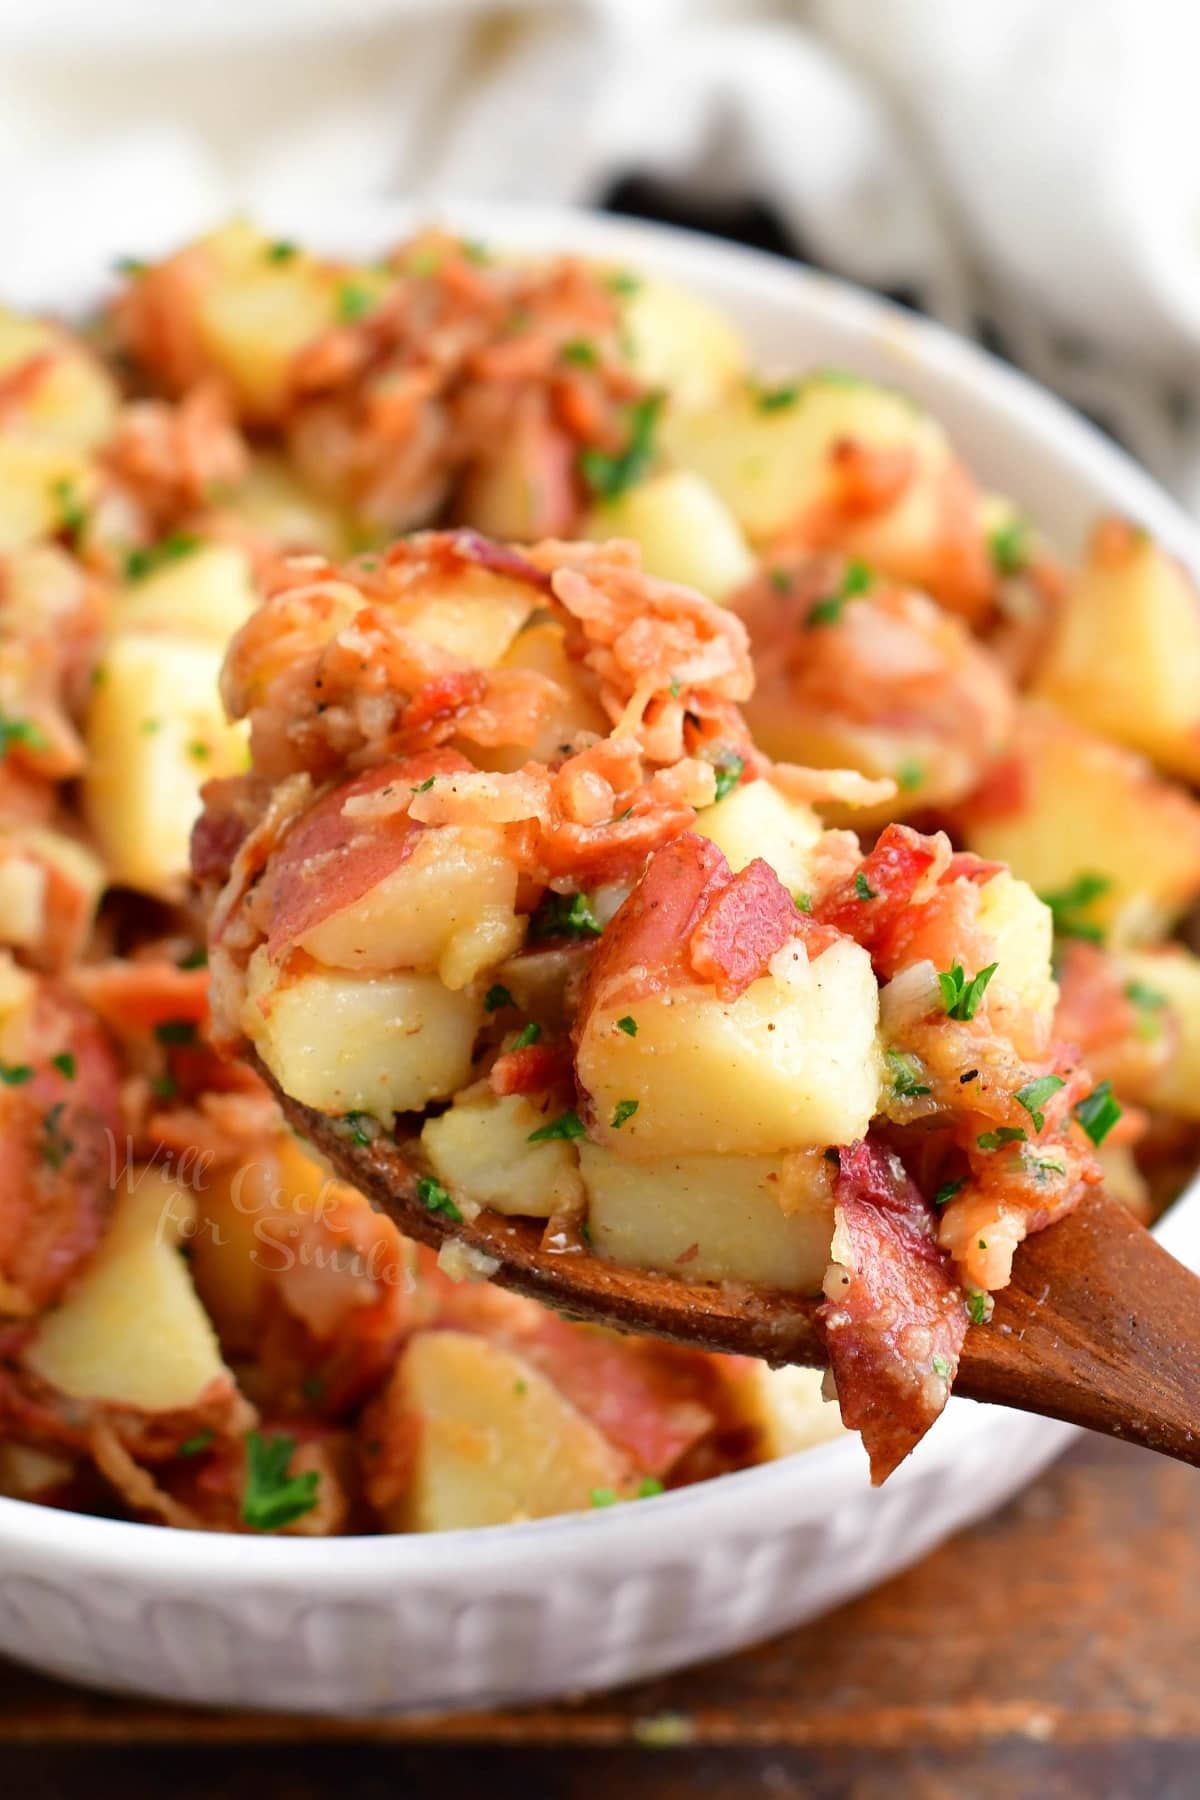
{"x": 377, "y": 1044}
{"x": 256, "y": 309}
{"x": 208, "y": 594}
{"x": 474, "y": 615}
{"x": 1123, "y": 1180}
{"x": 131, "y": 1331}
{"x": 1069, "y": 804}
{"x": 34, "y": 474}
{"x": 480, "y": 1150}
{"x": 156, "y": 732}
{"x": 271, "y": 498}
{"x": 448, "y": 906}
{"x": 789, "y": 1064}
{"x": 685, "y": 530}
{"x": 1125, "y": 659}
{"x": 1022, "y": 927}
{"x": 755, "y": 819}
{"x": 680, "y": 343}
{"x": 713, "y": 1218}
{"x": 542, "y": 648}
{"x": 73, "y": 398}
{"x": 50, "y": 887}
{"x": 1169, "y": 982}
{"x": 493, "y": 1440}
{"x": 789, "y": 1409}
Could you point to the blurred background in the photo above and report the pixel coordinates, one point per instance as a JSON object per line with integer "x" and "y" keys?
{"x": 1024, "y": 172}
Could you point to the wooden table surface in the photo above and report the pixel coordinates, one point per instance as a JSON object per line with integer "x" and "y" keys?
{"x": 1054, "y": 1652}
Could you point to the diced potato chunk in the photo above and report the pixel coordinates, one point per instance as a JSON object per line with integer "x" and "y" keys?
{"x": 494, "y": 1441}
{"x": 271, "y": 498}
{"x": 74, "y": 401}
{"x": 789, "y": 1064}
{"x": 1125, "y": 659}
{"x": 34, "y": 473}
{"x": 1173, "y": 974}
{"x": 771, "y": 463}
{"x": 156, "y": 732}
{"x": 755, "y": 819}
{"x": 208, "y": 594}
{"x": 131, "y": 1331}
{"x": 50, "y": 887}
{"x": 475, "y": 615}
{"x": 1022, "y": 928}
{"x": 681, "y": 343}
{"x": 789, "y": 1410}
{"x": 713, "y": 1218}
{"x": 343, "y": 1043}
{"x": 448, "y": 906}
{"x": 686, "y": 532}
{"x": 1072, "y": 804}
{"x": 542, "y": 649}
{"x": 480, "y": 1149}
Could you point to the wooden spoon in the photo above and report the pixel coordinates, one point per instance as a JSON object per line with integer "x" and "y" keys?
{"x": 1100, "y": 1326}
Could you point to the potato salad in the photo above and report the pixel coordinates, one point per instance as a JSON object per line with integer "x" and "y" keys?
{"x": 667, "y": 800}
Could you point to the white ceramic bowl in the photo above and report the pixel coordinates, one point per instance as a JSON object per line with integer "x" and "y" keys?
{"x": 519, "y": 1613}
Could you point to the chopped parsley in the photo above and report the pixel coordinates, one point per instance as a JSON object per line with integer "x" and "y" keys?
{"x": 581, "y": 353}
{"x": 907, "y": 1071}
{"x": 423, "y": 787}
{"x": 195, "y": 959}
{"x": 359, "y": 1127}
{"x": 1044, "y": 1167}
{"x": 962, "y": 997}
{"x": 436, "y": 1199}
{"x": 1009, "y": 547}
{"x": 856, "y": 579}
{"x": 195, "y": 1445}
{"x": 56, "y": 1146}
{"x": 1142, "y": 994}
{"x": 948, "y": 1190}
{"x": 64, "y": 1062}
{"x": 941, "y": 1367}
{"x": 1070, "y": 904}
{"x": 863, "y": 888}
{"x": 648, "y": 1486}
{"x": 272, "y": 1497}
{"x": 623, "y": 283}
{"x": 1034, "y": 1095}
{"x": 729, "y": 772}
{"x": 424, "y": 262}
{"x": 564, "y": 915}
{"x": 1098, "y": 1112}
{"x": 628, "y": 1025}
{"x": 150, "y": 726}
{"x": 609, "y": 475}
{"x": 20, "y": 731}
{"x": 198, "y": 750}
{"x": 978, "y": 1307}
{"x": 148, "y": 557}
{"x": 72, "y": 513}
{"x": 777, "y": 399}
{"x": 603, "y": 1496}
{"x": 1004, "y": 1134}
{"x": 496, "y": 997}
{"x": 624, "y": 1109}
{"x": 164, "y": 1087}
{"x": 530, "y": 1035}
{"x": 803, "y": 902}
{"x": 568, "y": 1125}
{"x": 781, "y": 580}
{"x": 354, "y": 301}
{"x": 15, "y": 1074}
{"x": 910, "y": 776}
{"x": 281, "y": 251}
{"x": 130, "y": 266}
{"x": 176, "y": 1031}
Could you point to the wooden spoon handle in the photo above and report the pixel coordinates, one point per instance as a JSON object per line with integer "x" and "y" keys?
{"x": 1100, "y": 1327}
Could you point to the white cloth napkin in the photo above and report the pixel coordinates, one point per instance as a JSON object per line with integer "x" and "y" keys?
{"x": 1033, "y": 163}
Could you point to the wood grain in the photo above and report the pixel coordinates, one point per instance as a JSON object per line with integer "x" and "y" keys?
{"x": 1053, "y": 1651}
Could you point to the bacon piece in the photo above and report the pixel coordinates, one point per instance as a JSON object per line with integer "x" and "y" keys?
{"x": 498, "y": 559}
{"x": 869, "y": 478}
{"x": 133, "y": 997}
{"x": 531, "y": 1069}
{"x": 964, "y": 865}
{"x": 868, "y": 905}
{"x": 894, "y": 1319}
{"x": 216, "y": 839}
{"x": 444, "y": 698}
{"x": 742, "y": 928}
{"x": 58, "y": 1134}
{"x": 1004, "y": 792}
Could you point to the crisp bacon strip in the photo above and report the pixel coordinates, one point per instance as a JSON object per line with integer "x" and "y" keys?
{"x": 646, "y": 943}
{"x": 531, "y": 1069}
{"x": 894, "y": 1320}
{"x": 869, "y": 904}
{"x": 742, "y": 928}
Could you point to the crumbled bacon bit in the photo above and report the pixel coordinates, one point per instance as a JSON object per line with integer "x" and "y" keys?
{"x": 742, "y": 927}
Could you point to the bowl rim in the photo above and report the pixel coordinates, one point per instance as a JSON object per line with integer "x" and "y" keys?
{"x": 1017, "y": 404}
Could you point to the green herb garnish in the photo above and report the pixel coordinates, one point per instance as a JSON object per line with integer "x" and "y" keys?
{"x": 863, "y": 888}
{"x": 628, "y": 1025}
{"x": 777, "y": 399}
{"x": 729, "y": 770}
{"x": 281, "y": 251}
{"x": 56, "y": 1147}
{"x": 948, "y": 1190}
{"x": 15, "y": 1074}
{"x": 609, "y": 475}
{"x": 1098, "y": 1112}
{"x": 977, "y": 1307}
{"x": 567, "y": 1126}
{"x": 1034, "y": 1094}
{"x": 176, "y": 1031}
{"x": 856, "y": 579}
{"x": 1004, "y": 1134}
{"x": 603, "y": 1496}
{"x": 1070, "y": 903}
{"x": 530, "y": 1035}
{"x": 272, "y": 1497}
{"x": 496, "y": 997}
{"x": 1009, "y": 547}
{"x": 962, "y": 997}
{"x": 436, "y": 1199}
{"x": 907, "y": 1071}
{"x": 564, "y": 915}
{"x": 581, "y": 352}
{"x": 354, "y": 301}
{"x": 21, "y": 731}
{"x": 624, "y": 1109}
{"x": 64, "y": 1062}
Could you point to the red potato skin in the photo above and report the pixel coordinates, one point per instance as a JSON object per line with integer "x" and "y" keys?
{"x": 58, "y": 1139}
{"x": 328, "y": 861}
{"x": 900, "y": 1307}
{"x": 744, "y": 925}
